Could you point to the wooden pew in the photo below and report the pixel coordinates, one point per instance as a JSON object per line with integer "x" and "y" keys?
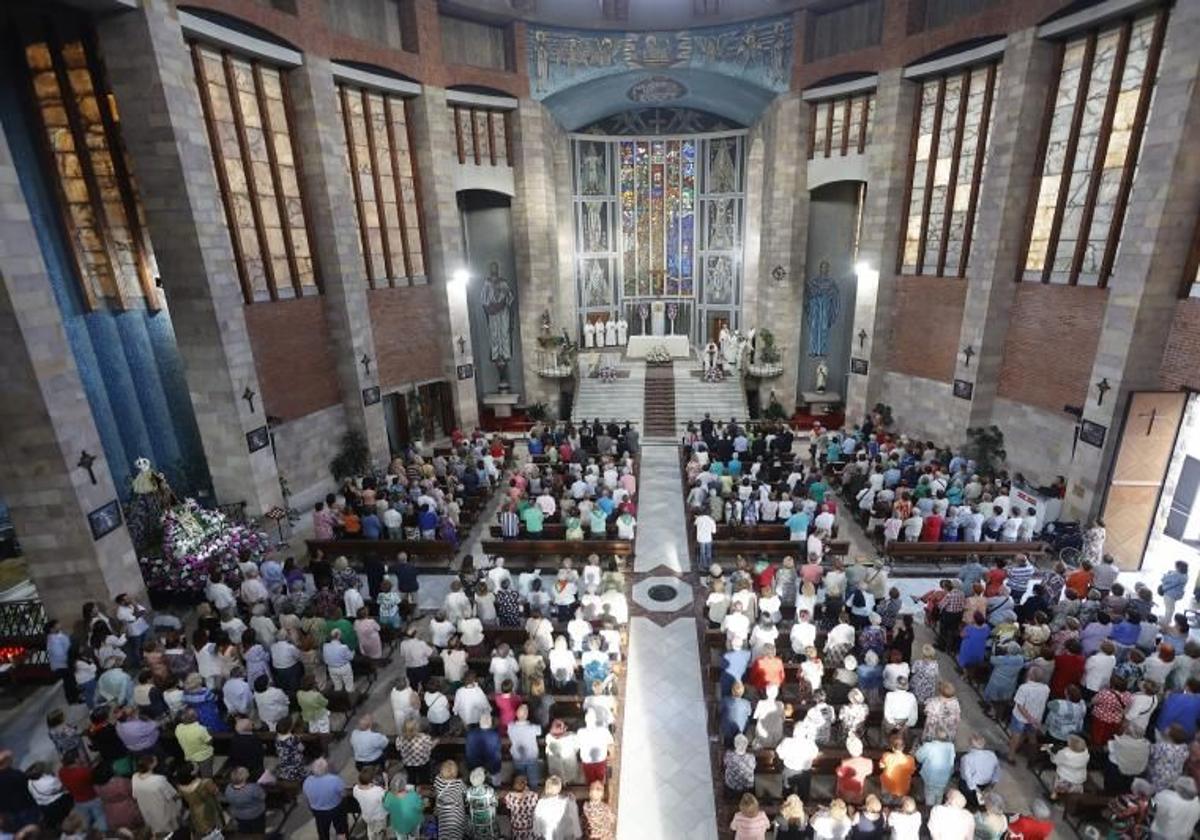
{"x": 960, "y": 551}
{"x": 775, "y": 548}
{"x": 550, "y": 531}
{"x": 433, "y": 554}
{"x": 553, "y": 548}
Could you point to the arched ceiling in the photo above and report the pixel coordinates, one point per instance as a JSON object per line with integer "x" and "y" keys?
{"x": 587, "y": 102}
{"x": 637, "y": 15}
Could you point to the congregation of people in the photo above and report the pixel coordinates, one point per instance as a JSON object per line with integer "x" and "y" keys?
{"x": 201, "y": 722}
{"x": 821, "y": 673}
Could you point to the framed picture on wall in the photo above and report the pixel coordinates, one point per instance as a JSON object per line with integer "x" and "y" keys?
{"x": 105, "y": 519}
{"x": 466, "y": 371}
{"x": 963, "y": 389}
{"x": 370, "y": 395}
{"x": 257, "y": 439}
{"x": 859, "y": 366}
{"x": 1092, "y": 433}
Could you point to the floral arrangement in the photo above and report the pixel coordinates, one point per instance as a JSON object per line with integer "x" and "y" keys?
{"x": 197, "y": 541}
{"x": 607, "y": 373}
{"x": 658, "y": 355}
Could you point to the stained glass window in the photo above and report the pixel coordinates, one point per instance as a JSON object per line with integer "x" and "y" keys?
{"x": 840, "y": 126}
{"x": 480, "y": 135}
{"x": 1089, "y": 158}
{"x": 249, "y": 129}
{"x": 100, "y": 207}
{"x": 952, "y": 125}
{"x": 381, "y": 172}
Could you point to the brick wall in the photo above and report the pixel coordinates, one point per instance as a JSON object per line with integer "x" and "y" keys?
{"x": 1051, "y": 344}
{"x": 293, "y": 356}
{"x": 1181, "y": 359}
{"x": 926, "y": 320}
{"x": 407, "y": 344}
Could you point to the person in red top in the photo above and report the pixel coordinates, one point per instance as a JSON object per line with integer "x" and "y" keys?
{"x": 1068, "y": 669}
{"x": 497, "y": 449}
{"x": 1080, "y": 580}
{"x": 764, "y": 575}
{"x": 76, "y": 777}
{"x": 931, "y": 528}
{"x": 1039, "y": 826}
{"x": 853, "y": 772}
{"x": 507, "y": 702}
{"x": 995, "y": 578}
{"x": 766, "y": 670}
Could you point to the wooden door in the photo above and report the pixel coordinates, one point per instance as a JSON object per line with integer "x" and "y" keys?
{"x": 1135, "y": 485}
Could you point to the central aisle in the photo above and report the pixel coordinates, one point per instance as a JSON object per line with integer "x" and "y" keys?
{"x": 666, "y": 780}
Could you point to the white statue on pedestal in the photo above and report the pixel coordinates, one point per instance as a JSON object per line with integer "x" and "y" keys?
{"x": 622, "y": 332}
{"x": 610, "y": 334}
{"x": 822, "y": 376}
{"x": 589, "y": 335}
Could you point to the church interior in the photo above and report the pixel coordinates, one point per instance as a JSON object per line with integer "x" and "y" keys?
{"x": 600, "y": 419}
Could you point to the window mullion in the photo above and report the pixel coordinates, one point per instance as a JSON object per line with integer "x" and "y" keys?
{"x": 926, "y": 200}
{"x": 378, "y": 182}
{"x": 985, "y": 121}
{"x": 360, "y": 209}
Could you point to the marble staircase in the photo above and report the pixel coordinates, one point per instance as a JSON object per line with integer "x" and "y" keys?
{"x": 694, "y": 397}
{"x": 622, "y": 399}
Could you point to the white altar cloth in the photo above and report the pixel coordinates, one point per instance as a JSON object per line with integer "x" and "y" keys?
{"x": 640, "y": 345}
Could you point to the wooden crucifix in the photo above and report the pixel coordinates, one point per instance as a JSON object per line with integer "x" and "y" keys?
{"x": 248, "y": 395}
{"x": 86, "y": 461}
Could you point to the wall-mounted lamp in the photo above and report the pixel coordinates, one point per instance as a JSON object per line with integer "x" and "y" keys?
{"x": 779, "y": 274}
{"x": 460, "y": 278}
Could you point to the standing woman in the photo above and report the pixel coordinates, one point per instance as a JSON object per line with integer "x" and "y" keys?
{"x": 156, "y": 797}
{"x": 481, "y": 805}
{"x": 116, "y": 795}
{"x": 203, "y": 799}
{"x": 600, "y": 820}
{"x": 749, "y": 823}
{"x": 450, "y": 801}
{"x": 53, "y": 800}
{"x": 792, "y": 822}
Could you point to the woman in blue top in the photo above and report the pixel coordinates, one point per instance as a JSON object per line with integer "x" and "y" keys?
{"x": 1006, "y": 673}
{"x": 973, "y": 649}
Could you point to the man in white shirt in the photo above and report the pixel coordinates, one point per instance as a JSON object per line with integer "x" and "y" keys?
{"x": 797, "y": 753}
{"x": 1029, "y": 705}
{"x": 1011, "y": 529}
{"x": 393, "y": 520}
{"x": 595, "y": 745}
{"x": 1099, "y": 667}
{"x": 470, "y": 703}
{"x": 496, "y": 574}
{"x": 825, "y": 520}
{"x": 912, "y": 527}
{"x": 503, "y": 666}
{"x": 237, "y": 694}
{"x": 952, "y": 821}
{"x": 219, "y": 594}
{"x": 736, "y": 627}
{"x": 415, "y": 653}
{"x": 900, "y": 706}
{"x": 705, "y": 527}
{"x": 132, "y": 616}
{"x": 546, "y": 503}
{"x": 1176, "y": 811}
{"x": 457, "y": 605}
{"x": 404, "y": 701}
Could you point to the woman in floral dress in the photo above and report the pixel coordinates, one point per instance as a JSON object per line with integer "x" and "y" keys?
{"x": 520, "y": 802}
{"x": 923, "y": 682}
{"x": 1167, "y": 757}
{"x": 291, "y": 766}
{"x": 600, "y": 821}
{"x": 942, "y": 715}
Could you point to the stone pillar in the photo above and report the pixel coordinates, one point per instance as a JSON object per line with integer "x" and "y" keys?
{"x": 535, "y": 220}
{"x": 780, "y": 217}
{"x": 887, "y": 162}
{"x": 163, "y": 128}
{"x": 1019, "y": 109}
{"x": 329, "y": 195}
{"x": 1143, "y": 291}
{"x": 45, "y": 425}
{"x": 444, "y": 255}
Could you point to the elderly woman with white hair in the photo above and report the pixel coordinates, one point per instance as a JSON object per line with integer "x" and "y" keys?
{"x": 1176, "y": 810}
{"x": 481, "y": 807}
{"x": 556, "y": 816}
{"x": 951, "y": 820}
{"x": 740, "y": 765}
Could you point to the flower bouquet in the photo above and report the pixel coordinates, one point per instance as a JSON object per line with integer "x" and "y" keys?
{"x": 658, "y": 355}
{"x": 196, "y": 542}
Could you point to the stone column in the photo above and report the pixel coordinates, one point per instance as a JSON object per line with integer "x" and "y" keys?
{"x": 444, "y": 239}
{"x": 151, "y": 74}
{"x": 329, "y": 195}
{"x": 45, "y": 425}
{"x": 1019, "y": 108}
{"x": 887, "y": 165}
{"x": 1143, "y": 291}
{"x": 535, "y": 220}
{"x": 781, "y": 222}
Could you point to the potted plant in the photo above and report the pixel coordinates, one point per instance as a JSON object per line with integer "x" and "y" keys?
{"x": 768, "y": 361}
{"x": 537, "y": 411}
{"x": 985, "y": 446}
{"x": 354, "y": 457}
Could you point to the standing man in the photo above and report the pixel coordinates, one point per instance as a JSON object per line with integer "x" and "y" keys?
{"x": 705, "y": 527}
{"x": 58, "y": 651}
{"x": 132, "y": 616}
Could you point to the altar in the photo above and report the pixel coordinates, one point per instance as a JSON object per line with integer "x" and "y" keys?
{"x": 640, "y": 345}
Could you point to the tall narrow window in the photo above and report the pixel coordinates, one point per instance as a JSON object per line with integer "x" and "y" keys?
{"x": 952, "y": 125}
{"x": 98, "y": 197}
{"x": 480, "y": 135}
{"x": 249, "y": 130}
{"x": 840, "y": 126}
{"x": 383, "y": 178}
{"x": 1090, "y": 149}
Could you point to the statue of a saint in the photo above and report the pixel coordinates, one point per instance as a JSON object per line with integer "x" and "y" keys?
{"x": 596, "y": 284}
{"x": 723, "y": 178}
{"x": 497, "y": 298}
{"x": 595, "y": 226}
{"x": 822, "y": 376}
{"x": 822, "y": 305}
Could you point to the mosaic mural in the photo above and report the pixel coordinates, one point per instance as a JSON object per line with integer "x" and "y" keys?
{"x": 759, "y": 52}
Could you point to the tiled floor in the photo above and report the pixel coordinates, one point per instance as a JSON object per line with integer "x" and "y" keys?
{"x": 666, "y": 781}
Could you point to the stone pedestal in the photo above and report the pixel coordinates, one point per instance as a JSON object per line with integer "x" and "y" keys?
{"x": 501, "y": 403}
